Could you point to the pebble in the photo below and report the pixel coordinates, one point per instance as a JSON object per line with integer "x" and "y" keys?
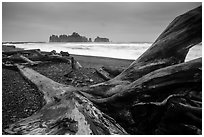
{"x": 17, "y": 95}
{"x": 91, "y": 80}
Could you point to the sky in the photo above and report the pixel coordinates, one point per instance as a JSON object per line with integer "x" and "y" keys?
{"x": 118, "y": 21}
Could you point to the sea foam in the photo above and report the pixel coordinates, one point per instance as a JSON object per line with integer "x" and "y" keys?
{"x": 113, "y": 50}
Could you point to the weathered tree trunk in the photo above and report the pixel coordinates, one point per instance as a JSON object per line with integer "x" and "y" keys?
{"x": 185, "y": 74}
{"x": 156, "y": 94}
{"x": 170, "y": 48}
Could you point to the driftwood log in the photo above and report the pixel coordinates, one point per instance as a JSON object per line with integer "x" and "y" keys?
{"x": 35, "y": 55}
{"x": 158, "y": 93}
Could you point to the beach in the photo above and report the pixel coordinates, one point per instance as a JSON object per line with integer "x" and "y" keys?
{"x": 21, "y": 99}
{"x": 128, "y": 51}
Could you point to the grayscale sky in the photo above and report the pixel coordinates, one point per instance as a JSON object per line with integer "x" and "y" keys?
{"x": 120, "y": 22}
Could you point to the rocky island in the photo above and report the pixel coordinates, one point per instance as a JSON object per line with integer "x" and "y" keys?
{"x": 75, "y": 37}
{"x": 98, "y": 39}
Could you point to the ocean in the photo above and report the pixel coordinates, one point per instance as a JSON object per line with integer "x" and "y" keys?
{"x": 113, "y": 50}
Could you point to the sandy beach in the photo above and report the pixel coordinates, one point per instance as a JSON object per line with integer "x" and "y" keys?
{"x": 20, "y": 99}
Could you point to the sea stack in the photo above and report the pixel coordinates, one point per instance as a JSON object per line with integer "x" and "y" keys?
{"x": 98, "y": 39}
{"x": 75, "y": 37}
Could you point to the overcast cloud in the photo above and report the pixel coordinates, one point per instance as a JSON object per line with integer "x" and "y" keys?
{"x": 120, "y": 22}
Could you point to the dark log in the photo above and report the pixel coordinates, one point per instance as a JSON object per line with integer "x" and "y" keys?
{"x": 8, "y": 53}
{"x": 9, "y": 66}
{"x": 113, "y": 71}
{"x": 103, "y": 74}
{"x": 166, "y": 115}
{"x": 56, "y": 58}
{"x": 37, "y": 57}
{"x": 75, "y": 64}
{"x": 180, "y": 75}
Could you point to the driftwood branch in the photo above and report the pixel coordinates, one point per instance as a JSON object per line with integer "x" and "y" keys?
{"x": 104, "y": 74}
{"x": 170, "y": 48}
{"x": 185, "y": 74}
{"x": 8, "y": 53}
{"x": 113, "y": 71}
{"x": 34, "y": 55}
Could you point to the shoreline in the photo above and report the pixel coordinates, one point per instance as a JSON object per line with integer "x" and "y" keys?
{"x": 94, "y": 61}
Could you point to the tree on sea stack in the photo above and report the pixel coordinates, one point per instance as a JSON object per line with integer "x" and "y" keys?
{"x": 158, "y": 93}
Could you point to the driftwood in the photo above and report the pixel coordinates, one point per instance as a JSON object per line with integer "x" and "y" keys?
{"x": 113, "y": 71}
{"x": 185, "y": 74}
{"x": 157, "y": 94}
{"x": 28, "y": 60}
{"x": 102, "y": 73}
{"x": 108, "y": 73}
{"x": 75, "y": 64}
{"x": 35, "y": 55}
{"x": 20, "y": 52}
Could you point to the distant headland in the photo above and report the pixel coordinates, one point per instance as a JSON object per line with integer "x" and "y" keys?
{"x": 75, "y": 37}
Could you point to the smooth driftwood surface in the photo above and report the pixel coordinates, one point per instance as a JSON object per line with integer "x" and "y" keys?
{"x": 158, "y": 93}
